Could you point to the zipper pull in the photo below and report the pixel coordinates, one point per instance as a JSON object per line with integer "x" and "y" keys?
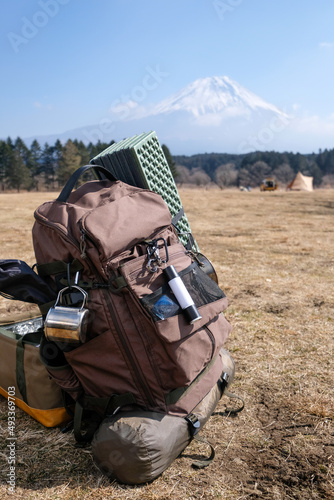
{"x": 83, "y": 254}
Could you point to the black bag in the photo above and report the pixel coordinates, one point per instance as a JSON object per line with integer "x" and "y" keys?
{"x": 19, "y": 282}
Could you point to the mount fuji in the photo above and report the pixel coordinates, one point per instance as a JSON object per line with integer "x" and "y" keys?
{"x": 213, "y": 96}
{"x": 213, "y": 114}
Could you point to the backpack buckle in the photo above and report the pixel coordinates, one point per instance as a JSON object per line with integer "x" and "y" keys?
{"x": 194, "y": 424}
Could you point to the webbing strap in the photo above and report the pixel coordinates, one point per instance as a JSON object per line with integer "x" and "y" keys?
{"x": 77, "y": 423}
{"x": 20, "y": 376}
{"x": 234, "y": 396}
{"x": 177, "y": 217}
{"x": 58, "y": 266}
{"x": 110, "y": 404}
{"x": 100, "y": 407}
{"x": 117, "y": 284}
{"x": 86, "y": 285}
{"x": 200, "y": 464}
{"x": 173, "y": 396}
{"x": 32, "y": 338}
{"x": 44, "y": 308}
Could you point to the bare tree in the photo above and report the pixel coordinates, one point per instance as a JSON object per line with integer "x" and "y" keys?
{"x": 199, "y": 177}
{"x": 226, "y": 175}
{"x": 284, "y": 173}
{"x": 253, "y": 174}
{"x": 183, "y": 175}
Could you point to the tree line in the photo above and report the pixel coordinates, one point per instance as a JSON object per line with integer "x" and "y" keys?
{"x": 48, "y": 167}
{"x": 250, "y": 169}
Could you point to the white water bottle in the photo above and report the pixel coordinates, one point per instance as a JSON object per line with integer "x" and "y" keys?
{"x": 182, "y": 295}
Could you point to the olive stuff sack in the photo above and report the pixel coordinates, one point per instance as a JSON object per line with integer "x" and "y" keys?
{"x": 136, "y": 446}
{"x": 101, "y": 237}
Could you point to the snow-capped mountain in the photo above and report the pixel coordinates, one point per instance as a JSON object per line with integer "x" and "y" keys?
{"x": 213, "y": 95}
{"x": 213, "y": 114}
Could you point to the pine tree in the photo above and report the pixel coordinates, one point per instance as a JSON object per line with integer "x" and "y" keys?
{"x": 329, "y": 163}
{"x": 17, "y": 173}
{"x": 83, "y": 152}
{"x": 69, "y": 162}
{"x": 22, "y": 149}
{"x": 34, "y": 165}
{"x": 6, "y": 154}
{"x": 95, "y": 149}
{"x": 57, "y": 155}
{"x": 170, "y": 160}
{"x": 47, "y": 167}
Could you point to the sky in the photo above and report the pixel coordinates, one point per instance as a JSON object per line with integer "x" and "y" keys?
{"x": 66, "y": 63}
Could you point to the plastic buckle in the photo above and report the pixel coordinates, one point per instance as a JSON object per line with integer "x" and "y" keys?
{"x": 223, "y": 381}
{"x": 194, "y": 424}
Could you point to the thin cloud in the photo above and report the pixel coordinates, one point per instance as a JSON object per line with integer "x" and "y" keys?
{"x": 39, "y": 105}
{"x": 326, "y": 45}
{"x": 315, "y": 125}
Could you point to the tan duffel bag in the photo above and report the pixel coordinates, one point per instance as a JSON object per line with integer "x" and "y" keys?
{"x": 24, "y": 379}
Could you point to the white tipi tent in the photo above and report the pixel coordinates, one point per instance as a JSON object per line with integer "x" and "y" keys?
{"x": 301, "y": 183}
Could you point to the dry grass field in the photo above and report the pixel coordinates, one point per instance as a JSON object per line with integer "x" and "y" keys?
{"x": 274, "y": 255}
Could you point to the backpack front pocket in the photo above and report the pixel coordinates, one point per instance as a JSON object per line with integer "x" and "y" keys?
{"x": 162, "y": 303}
{"x": 180, "y": 350}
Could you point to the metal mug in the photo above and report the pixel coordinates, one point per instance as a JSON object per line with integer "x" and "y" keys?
{"x": 67, "y": 324}
{"x": 207, "y": 266}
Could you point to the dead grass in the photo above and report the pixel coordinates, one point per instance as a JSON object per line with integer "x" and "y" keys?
{"x": 274, "y": 255}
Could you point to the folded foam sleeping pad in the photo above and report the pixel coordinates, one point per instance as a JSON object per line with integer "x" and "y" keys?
{"x": 135, "y": 447}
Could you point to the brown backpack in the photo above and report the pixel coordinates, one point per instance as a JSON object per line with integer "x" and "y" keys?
{"x": 114, "y": 241}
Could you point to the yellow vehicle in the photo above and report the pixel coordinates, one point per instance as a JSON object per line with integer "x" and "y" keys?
{"x": 269, "y": 184}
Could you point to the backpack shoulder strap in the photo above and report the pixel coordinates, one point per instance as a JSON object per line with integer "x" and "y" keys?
{"x": 67, "y": 189}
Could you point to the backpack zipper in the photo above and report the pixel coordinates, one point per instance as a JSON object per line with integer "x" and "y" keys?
{"x": 58, "y": 228}
{"x": 119, "y": 329}
{"x": 212, "y": 338}
{"x": 125, "y": 346}
{"x": 104, "y": 291}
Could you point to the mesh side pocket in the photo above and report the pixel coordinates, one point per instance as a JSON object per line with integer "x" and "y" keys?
{"x": 202, "y": 288}
{"x": 162, "y": 303}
